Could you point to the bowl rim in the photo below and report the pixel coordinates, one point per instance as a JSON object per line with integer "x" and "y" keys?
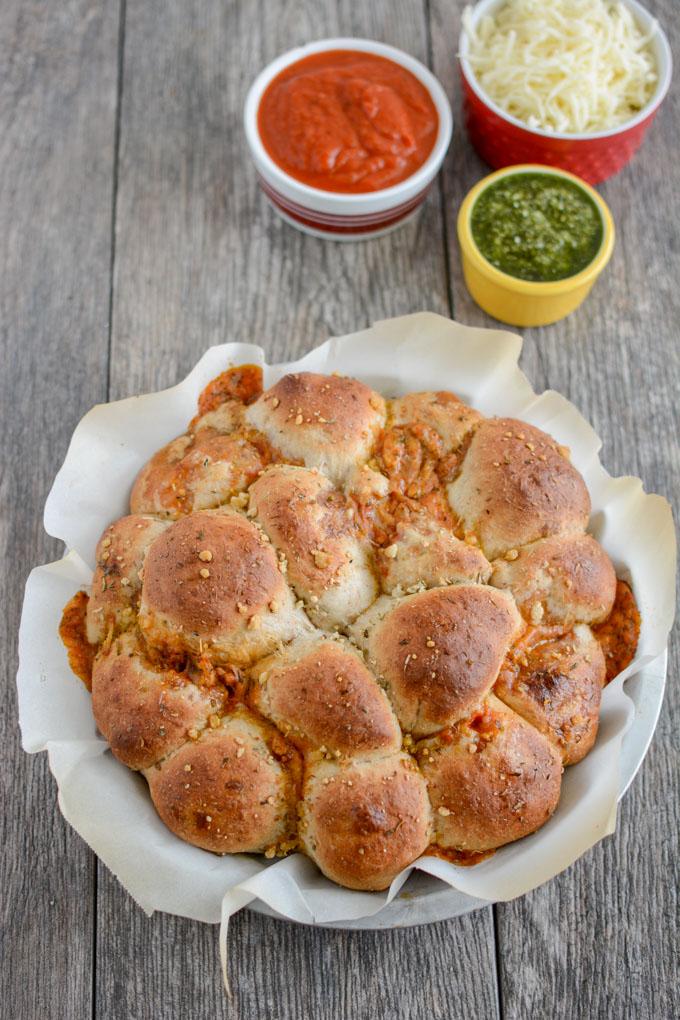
{"x": 662, "y": 53}
{"x": 278, "y": 177}
{"x": 535, "y": 288}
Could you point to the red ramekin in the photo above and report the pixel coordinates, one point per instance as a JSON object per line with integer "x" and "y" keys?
{"x": 502, "y": 140}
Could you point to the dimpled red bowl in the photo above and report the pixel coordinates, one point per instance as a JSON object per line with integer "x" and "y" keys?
{"x": 502, "y": 140}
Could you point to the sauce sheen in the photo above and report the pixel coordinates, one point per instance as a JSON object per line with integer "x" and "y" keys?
{"x": 347, "y": 121}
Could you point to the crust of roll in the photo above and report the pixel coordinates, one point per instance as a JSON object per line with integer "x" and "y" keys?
{"x": 515, "y": 486}
{"x": 557, "y": 687}
{"x": 311, "y": 524}
{"x": 225, "y": 418}
{"x": 425, "y": 554}
{"x": 321, "y": 695}
{"x": 493, "y": 780}
{"x": 197, "y": 472}
{"x": 212, "y": 583}
{"x": 366, "y": 819}
{"x": 146, "y": 712}
{"x": 560, "y": 580}
{"x": 442, "y": 411}
{"x": 438, "y": 652}
{"x": 323, "y": 421}
{"x": 117, "y": 580}
{"x": 227, "y": 791}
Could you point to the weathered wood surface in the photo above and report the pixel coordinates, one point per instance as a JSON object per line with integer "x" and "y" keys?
{"x": 200, "y": 258}
{"x": 57, "y": 110}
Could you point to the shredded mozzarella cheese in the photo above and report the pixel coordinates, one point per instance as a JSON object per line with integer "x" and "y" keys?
{"x": 563, "y": 65}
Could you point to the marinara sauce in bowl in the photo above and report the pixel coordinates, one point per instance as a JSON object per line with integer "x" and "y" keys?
{"x": 347, "y": 136}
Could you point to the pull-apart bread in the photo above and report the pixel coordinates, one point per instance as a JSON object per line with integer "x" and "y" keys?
{"x": 360, "y": 628}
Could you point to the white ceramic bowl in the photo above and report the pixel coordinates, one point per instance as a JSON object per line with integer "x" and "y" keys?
{"x": 338, "y": 215}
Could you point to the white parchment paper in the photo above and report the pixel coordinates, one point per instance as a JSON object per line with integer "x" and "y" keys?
{"x": 109, "y": 805}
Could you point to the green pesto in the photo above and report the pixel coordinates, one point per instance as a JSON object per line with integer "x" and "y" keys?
{"x": 537, "y": 226}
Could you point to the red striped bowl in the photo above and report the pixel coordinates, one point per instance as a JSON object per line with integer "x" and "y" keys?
{"x": 337, "y": 215}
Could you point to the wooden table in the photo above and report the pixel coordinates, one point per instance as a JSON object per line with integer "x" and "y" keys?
{"x": 133, "y": 237}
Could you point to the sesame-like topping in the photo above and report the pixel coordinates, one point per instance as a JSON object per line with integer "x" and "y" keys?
{"x": 536, "y": 613}
{"x": 205, "y": 555}
{"x": 321, "y": 558}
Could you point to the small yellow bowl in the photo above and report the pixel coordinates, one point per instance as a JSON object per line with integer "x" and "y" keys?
{"x": 525, "y": 302}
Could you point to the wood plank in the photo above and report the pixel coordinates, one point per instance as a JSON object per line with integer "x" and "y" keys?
{"x": 57, "y": 110}
{"x": 201, "y": 258}
{"x": 601, "y": 940}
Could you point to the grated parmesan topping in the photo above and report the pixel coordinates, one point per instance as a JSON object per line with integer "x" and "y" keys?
{"x": 563, "y": 65}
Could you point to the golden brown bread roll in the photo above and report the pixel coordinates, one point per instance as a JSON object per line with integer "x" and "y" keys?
{"x": 424, "y": 553}
{"x": 225, "y": 418}
{"x": 450, "y": 418}
{"x": 198, "y": 471}
{"x": 365, "y": 819}
{"x": 327, "y": 422}
{"x": 147, "y": 711}
{"x": 492, "y": 779}
{"x": 438, "y": 652}
{"x": 311, "y": 524}
{"x": 212, "y": 584}
{"x": 117, "y": 579}
{"x": 556, "y": 685}
{"x": 227, "y": 790}
{"x": 515, "y": 486}
{"x": 559, "y": 580}
{"x": 320, "y": 694}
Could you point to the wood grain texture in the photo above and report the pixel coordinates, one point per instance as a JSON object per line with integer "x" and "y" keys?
{"x": 57, "y": 110}
{"x": 602, "y": 939}
{"x": 202, "y": 258}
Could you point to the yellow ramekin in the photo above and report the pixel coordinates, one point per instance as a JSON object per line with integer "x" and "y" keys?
{"x": 525, "y": 302}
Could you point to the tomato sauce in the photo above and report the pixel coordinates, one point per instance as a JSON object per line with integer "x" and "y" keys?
{"x": 463, "y": 858}
{"x": 72, "y": 632}
{"x": 413, "y": 460}
{"x": 347, "y": 121}
{"x": 243, "y": 383}
{"x": 620, "y": 632}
